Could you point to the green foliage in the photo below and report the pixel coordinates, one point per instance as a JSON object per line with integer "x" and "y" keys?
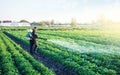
{"x": 16, "y": 61}
{"x": 80, "y": 63}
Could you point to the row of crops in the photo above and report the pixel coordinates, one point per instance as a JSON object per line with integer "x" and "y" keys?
{"x": 90, "y": 41}
{"x": 16, "y": 61}
{"x": 77, "y": 62}
{"x": 94, "y": 36}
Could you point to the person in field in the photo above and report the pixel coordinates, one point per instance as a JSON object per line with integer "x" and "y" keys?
{"x": 33, "y": 42}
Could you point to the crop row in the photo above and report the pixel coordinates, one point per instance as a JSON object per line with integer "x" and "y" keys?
{"x": 7, "y": 66}
{"x": 85, "y": 45}
{"x": 85, "y": 64}
{"x": 23, "y": 62}
{"x": 98, "y": 37}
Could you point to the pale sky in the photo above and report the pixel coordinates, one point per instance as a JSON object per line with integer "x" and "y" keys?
{"x": 59, "y": 10}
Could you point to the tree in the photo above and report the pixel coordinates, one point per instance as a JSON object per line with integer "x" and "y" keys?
{"x": 48, "y": 23}
{"x": 24, "y": 21}
{"x": 73, "y": 22}
{"x": 52, "y": 22}
{"x": 35, "y": 24}
{"x": 42, "y": 23}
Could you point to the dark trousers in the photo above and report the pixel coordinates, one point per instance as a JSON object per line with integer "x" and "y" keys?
{"x": 33, "y": 46}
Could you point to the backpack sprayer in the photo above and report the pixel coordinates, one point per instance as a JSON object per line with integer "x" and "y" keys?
{"x": 29, "y": 33}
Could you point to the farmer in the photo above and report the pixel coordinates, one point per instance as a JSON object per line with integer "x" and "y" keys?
{"x": 33, "y": 42}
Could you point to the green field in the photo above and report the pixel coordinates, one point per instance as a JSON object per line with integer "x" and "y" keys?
{"x": 84, "y": 52}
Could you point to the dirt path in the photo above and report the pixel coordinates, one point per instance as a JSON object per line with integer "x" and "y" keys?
{"x": 56, "y": 67}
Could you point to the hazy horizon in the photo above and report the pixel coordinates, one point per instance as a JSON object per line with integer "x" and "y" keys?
{"x": 59, "y": 10}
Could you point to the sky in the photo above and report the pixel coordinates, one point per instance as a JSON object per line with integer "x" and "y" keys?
{"x": 59, "y": 10}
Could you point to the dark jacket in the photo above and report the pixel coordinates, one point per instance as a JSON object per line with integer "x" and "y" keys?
{"x": 34, "y": 37}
